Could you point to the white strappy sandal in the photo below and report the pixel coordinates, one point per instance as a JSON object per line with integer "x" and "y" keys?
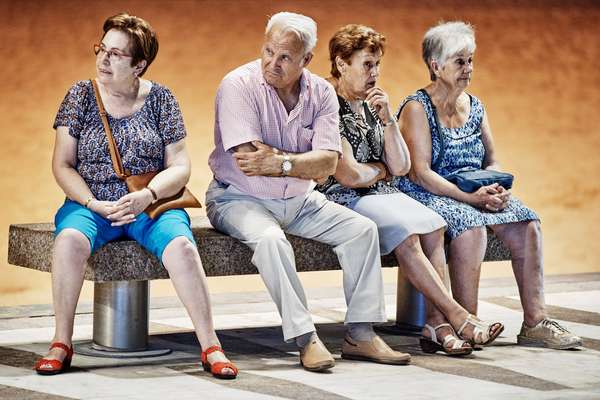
{"x": 481, "y": 331}
{"x": 450, "y": 345}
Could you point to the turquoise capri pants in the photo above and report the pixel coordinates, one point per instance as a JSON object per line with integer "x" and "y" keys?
{"x": 153, "y": 235}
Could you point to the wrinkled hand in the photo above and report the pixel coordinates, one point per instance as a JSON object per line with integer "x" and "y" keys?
{"x": 104, "y": 208}
{"x": 504, "y": 195}
{"x": 265, "y": 161}
{"x": 129, "y": 206}
{"x": 378, "y": 100}
{"x": 491, "y": 198}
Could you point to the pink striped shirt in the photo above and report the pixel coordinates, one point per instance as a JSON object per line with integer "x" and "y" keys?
{"x": 247, "y": 108}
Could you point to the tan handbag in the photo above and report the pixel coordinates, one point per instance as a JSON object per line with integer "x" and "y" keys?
{"x": 183, "y": 199}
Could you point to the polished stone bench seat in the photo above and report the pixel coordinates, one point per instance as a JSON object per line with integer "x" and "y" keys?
{"x": 121, "y": 271}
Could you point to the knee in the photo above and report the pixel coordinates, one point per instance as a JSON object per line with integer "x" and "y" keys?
{"x": 534, "y": 230}
{"x": 471, "y": 238}
{"x": 435, "y": 238}
{"x": 180, "y": 248}
{"x": 272, "y": 237}
{"x": 469, "y": 247}
{"x": 73, "y": 243}
{"x": 365, "y": 227}
{"x": 478, "y": 233}
{"x": 529, "y": 241}
{"x": 410, "y": 245}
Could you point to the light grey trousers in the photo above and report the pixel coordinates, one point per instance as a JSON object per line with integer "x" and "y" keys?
{"x": 260, "y": 224}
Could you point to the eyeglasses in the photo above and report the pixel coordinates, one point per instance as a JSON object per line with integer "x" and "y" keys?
{"x": 111, "y": 54}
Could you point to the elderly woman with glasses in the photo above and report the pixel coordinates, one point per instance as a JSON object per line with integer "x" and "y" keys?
{"x": 447, "y": 131}
{"x": 148, "y": 129}
{"x": 373, "y": 151}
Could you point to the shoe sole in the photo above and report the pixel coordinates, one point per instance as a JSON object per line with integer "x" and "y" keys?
{"x": 525, "y": 341}
{"x": 322, "y": 366}
{"x": 218, "y": 376}
{"x": 388, "y": 361}
{"x": 428, "y": 346}
{"x": 42, "y": 372}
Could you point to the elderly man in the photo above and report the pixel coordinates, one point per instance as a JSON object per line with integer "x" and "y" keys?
{"x": 276, "y": 133}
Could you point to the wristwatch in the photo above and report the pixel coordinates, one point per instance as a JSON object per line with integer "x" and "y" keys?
{"x": 286, "y": 165}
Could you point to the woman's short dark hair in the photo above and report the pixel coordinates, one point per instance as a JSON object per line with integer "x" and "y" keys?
{"x": 142, "y": 38}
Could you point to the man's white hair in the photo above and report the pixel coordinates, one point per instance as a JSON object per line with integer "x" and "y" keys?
{"x": 305, "y": 28}
{"x": 445, "y": 40}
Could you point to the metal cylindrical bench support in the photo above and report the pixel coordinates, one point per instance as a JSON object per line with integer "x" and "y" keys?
{"x": 410, "y": 306}
{"x": 121, "y": 322}
{"x": 121, "y": 315}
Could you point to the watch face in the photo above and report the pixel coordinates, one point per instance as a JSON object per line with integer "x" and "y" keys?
{"x": 286, "y": 166}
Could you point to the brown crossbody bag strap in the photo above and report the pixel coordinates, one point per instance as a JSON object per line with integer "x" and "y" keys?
{"x": 112, "y": 146}
{"x": 183, "y": 199}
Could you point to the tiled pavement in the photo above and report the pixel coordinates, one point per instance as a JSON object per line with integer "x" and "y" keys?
{"x": 248, "y": 328}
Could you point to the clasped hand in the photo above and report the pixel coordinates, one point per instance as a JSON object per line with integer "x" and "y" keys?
{"x": 125, "y": 210}
{"x": 491, "y": 198}
{"x": 265, "y": 161}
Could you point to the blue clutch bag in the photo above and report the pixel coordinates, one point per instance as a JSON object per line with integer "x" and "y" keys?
{"x": 470, "y": 181}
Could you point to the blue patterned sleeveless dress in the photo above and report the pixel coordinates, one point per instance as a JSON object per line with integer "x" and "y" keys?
{"x": 463, "y": 150}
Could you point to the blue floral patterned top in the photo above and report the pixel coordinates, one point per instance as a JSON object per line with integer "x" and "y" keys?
{"x": 141, "y": 137}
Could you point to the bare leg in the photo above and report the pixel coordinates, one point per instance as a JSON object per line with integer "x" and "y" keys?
{"x": 433, "y": 248}
{"x": 182, "y": 260}
{"x": 465, "y": 258}
{"x": 426, "y": 277}
{"x": 524, "y": 240}
{"x": 71, "y": 251}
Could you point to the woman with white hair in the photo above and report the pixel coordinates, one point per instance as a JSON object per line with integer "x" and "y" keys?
{"x": 447, "y": 131}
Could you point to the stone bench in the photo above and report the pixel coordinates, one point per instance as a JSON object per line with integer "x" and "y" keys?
{"x": 122, "y": 270}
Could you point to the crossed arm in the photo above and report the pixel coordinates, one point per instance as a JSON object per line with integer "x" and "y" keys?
{"x": 259, "y": 159}
{"x": 354, "y": 174}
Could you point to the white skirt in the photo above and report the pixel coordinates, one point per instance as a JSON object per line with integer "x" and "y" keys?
{"x": 397, "y": 217}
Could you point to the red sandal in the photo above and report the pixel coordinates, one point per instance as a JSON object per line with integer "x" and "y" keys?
{"x": 44, "y": 366}
{"x": 216, "y": 369}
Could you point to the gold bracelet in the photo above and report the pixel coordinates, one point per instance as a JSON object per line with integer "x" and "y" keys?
{"x": 88, "y": 201}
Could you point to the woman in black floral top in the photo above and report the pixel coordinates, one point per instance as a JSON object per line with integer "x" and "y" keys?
{"x": 148, "y": 130}
{"x": 373, "y": 152}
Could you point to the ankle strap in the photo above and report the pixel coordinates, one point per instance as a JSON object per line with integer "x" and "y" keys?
{"x": 61, "y": 346}
{"x": 212, "y": 349}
